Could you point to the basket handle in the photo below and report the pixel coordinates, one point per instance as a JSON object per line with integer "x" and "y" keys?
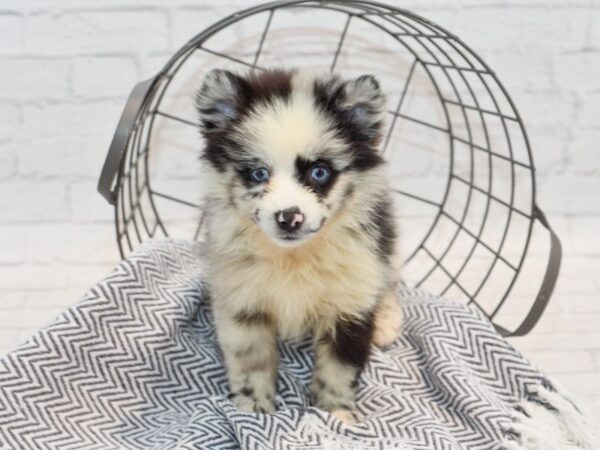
{"x": 108, "y": 183}
{"x": 548, "y": 283}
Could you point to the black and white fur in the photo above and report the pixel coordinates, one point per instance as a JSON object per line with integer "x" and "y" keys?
{"x": 291, "y": 255}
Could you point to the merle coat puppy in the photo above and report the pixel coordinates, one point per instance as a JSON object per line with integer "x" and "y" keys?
{"x": 300, "y": 228}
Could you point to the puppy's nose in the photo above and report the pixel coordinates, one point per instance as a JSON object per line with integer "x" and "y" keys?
{"x": 289, "y": 219}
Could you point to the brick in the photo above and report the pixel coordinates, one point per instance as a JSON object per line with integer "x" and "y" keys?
{"x": 594, "y": 37}
{"x": 572, "y": 70}
{"x": 588, "y": 113}
{"x": 8, "y": 160}
{"x": 583, "y": 238}
{"x": 583, "y": 152}
{"x": 98, "y": 32}
{"x": 577, "y": 276}
{"x": 522, "y": 70}
{"x": 557, "y": 362}
{"x": 83, "y": 244}
{"x": 83, "y": 119}
{"x": 104, "y": 76}
{"x": 54, "y": 298}
{"x": 9, "y": 340}
{"x": 445, "y": 14}
{"x": 523, "y": 29}
{"x": 564, "y": 4}
{"x": 12, "y": 36}
{"x": 29, "y": 319}
{"x": 580, "y": 303}
{"x": 10, "y": 120}
{"x": 32, "y": 201}
{"x": 568, "y": 304}
{"x": 558, "y": 342}
{"x": 33, "y": 78}
{"x": 11, "y": 300}
{"x": 87, "y": 205}
{"x": 116, "y": 6}
{"x": 86, "y": 276}
{"x": 580, "y": 322}
{"x": 31, "y": 277}
{"x": 566, "y": 194}
{"x": 12, "y": 244}
{"x": 545, "y": 108}
{"x": 64, "y": 157}
{"x": 549, "y": 147}
{"x": 188, "y": 22}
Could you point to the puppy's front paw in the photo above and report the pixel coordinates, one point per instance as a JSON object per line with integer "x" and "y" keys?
{"x": 387, "y": 329}
{"x": 388, "y": 322}
{"x": 249, "y": 403}
{"x": 336, "y": 400}
{"x": 348, "y": 417}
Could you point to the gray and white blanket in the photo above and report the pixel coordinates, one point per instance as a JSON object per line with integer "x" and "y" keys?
{"x": 135, "y": 365}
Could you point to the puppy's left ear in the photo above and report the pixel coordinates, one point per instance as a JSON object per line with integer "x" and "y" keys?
{"x": 364, "y": 105}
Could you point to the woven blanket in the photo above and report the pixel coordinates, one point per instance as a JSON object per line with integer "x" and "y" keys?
{"x": 135, "y": 365}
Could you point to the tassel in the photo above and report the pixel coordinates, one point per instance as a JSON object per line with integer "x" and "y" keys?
{"x": 547, "y": 420}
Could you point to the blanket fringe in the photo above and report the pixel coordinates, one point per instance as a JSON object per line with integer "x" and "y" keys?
{"x": 547, "y": 420}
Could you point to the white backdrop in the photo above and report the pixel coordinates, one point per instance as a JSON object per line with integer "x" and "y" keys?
{"x": 66, "y": 68}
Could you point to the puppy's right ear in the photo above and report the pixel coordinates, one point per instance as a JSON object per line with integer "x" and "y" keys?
{"x": 219, "y": 100}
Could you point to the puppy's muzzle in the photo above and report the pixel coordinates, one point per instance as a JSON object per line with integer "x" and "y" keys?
{"x": 290, "y": 219}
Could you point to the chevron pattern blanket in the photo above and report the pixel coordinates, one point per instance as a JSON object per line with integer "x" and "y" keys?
{"x": 134, "y": 365}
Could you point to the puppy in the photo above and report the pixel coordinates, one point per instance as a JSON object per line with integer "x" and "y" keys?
{"x": 300, "y": 228}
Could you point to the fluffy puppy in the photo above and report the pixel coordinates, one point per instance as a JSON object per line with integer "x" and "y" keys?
{"x": 300, "y": 229}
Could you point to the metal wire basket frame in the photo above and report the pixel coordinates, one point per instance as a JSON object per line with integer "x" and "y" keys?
{"x": 126, "y": 184}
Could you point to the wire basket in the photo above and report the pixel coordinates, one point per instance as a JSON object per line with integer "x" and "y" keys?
{"x": 458, "y": 153}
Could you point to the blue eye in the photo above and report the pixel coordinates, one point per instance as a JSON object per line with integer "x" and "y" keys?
{"x": 320, "y": 174}
{"x": 260, "y": 175}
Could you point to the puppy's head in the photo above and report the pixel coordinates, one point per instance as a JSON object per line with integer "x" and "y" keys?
{"x": 287, "y": 150}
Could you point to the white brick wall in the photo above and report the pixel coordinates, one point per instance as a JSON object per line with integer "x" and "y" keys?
{"x": 66, "y": 67}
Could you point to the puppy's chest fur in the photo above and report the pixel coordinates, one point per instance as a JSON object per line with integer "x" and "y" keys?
{"x": 337, "y": 274}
